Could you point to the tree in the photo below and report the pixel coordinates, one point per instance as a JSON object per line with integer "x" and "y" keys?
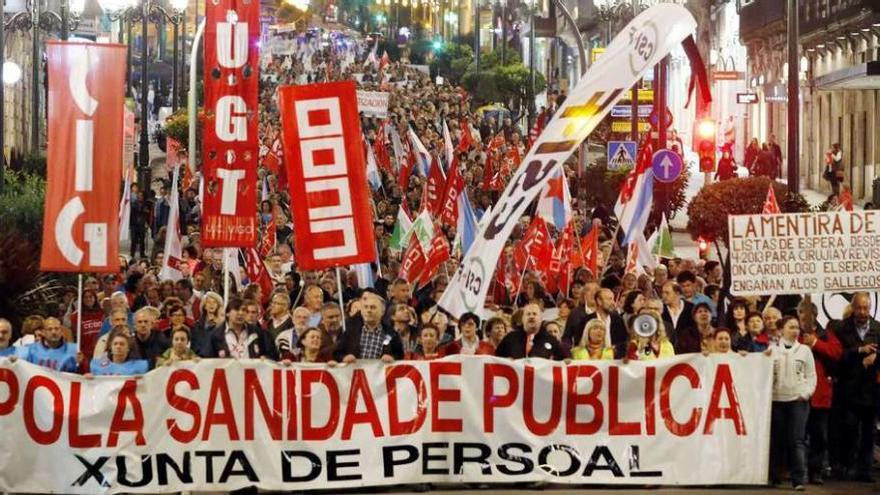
{"x": 709, "y": 209}
{"x": 25, "y": 289}
{"x": 451, "y": 61}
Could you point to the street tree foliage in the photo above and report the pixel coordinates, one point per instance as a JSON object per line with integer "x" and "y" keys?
{"x": 451, "y": 61}
{"x": 709, "y": 209}
{"x": 24, "y": 289}
{"x": 508, "y": 84}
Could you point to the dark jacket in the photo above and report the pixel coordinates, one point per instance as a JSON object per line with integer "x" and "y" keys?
{"x": 855, "y": 384}
{"x": 544, "y": 345}
{"x": 685, "y": 322}
{"x": 151, "y": 348}
{"x": 574, "y": 328}
{"x": 259, "y": 343}
{"x": 350, "y": 341}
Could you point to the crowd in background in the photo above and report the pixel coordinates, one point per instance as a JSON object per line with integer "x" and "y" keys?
{"x": 825, "y": 378}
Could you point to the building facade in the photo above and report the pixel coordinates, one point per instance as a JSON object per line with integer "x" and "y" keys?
{"x": 839, "y": 82}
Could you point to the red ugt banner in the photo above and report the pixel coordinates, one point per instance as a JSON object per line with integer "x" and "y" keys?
{"x": 84, "y": 159}
{"x": 324, "y": 156}
{"x": 230, "y": 144}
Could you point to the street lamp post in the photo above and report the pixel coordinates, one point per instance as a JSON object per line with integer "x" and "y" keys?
{"x": 34, "y": 19}
{"x": 146, "y": 12}
{"x": 793, "y": 98}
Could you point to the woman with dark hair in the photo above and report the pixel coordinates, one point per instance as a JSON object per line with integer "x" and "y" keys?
{"x": 92, "y": 319}
{"x": 534, "y": 292}
{"x": 310, "y": 343}
{"x": 496, "y": 329}
{"x": 633, "y": 302}
{"x": 211, "y": 317}
{"x": 470, "y": 342}
{"x": 179, "y": 350}
{"x": 120, "y": 360}
{"x": 735, "y": 319}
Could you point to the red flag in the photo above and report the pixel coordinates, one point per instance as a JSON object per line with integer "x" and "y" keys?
{"x": 413, "y": 261}
{"x": 536, "y": 245}
{"x": 488, "y": 172}
{"x": 438, "y": 254}
{"x": 454, "y": 186}
{"x": 271, "y": 162}
{"x": 230, "y": 142}
{"x": 267, "y": 243}
{"x": 84, "y": 157}
{"x": 381, "y": 154}
{"x": 257, "y": 273}
{"x": 467, "y": 139}
{"x": 435, "y": 187}
{"x": 770, "y": 204}
{"x": 405, "y": 171}
{"x": 537, "y": 128}
{"x": 333, "y": 221}
{"x": 590, "y": 251}
{"x": 846, "y": 200}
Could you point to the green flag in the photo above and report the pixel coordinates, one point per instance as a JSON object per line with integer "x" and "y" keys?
{"x": 423, "y": 226}
{"x": 663, "y": 243}
{"x": 400, "y": 236}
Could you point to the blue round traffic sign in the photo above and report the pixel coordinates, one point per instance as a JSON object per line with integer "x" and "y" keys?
{"x": 666, "y": 165}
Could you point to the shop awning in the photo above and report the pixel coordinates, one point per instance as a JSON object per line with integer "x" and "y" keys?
{"x": 860, "y": 76}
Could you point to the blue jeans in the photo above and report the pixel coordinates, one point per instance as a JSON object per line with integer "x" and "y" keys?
{"x": 788, "y": 440}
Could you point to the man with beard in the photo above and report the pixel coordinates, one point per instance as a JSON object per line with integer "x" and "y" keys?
{"x": 530, "y": 340}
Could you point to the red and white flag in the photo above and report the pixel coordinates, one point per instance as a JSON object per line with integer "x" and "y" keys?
{"x": 435, "y": 187}
{"x": 332, "y": 217}
{"x": 449, "y": 205}
{"x": 258, "y": 274}
{"x": 535, "y": 246}
{"x": 413, "y": 262}
{"x": 770, "y": 204}
{"x": 230, "y": 144}
{"x": 267, "y": 243}
{"x": 172, "y": 262}
{"x": 436, "y": 256}
{"x": 84, "y": 157}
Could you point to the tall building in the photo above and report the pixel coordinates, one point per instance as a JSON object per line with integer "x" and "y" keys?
{"x": 839, "y": 81}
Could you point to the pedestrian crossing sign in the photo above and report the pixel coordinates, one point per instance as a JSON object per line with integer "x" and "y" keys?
{"x": 621, "y": 154}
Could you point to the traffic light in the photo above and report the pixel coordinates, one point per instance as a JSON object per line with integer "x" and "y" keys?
{"x": 704, "y": 144}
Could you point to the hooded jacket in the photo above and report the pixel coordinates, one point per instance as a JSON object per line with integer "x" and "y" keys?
{"x": 794, "y": 372}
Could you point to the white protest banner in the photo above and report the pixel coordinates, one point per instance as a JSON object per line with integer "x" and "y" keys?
{"x": 227, "y": 424}
{"x": 373, "y": 103}
{"x": 644, "y": 42}
{"x": 797, "y": 253}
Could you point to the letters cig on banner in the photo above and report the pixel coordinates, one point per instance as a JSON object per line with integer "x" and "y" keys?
{"x": 84, "y": 157}
{"x": 323, "y": 152}
{"x": 690, "y": 420}
{"x": 641, "y": 45}
{"x": 230, "y": 146}
{"x": 373, "y": 103}
{"x": 794, "y": 253}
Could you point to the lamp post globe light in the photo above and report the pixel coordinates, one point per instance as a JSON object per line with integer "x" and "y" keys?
{"x": 35, "y": 19}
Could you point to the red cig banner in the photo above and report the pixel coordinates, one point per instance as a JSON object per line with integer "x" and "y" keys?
{"x": 230, "y": 145}
{"x": 323, "y": 153}
{"x": 84, "y": 157}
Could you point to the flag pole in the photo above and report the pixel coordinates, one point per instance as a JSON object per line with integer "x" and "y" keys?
{"x": 79, "y": 316}
{"x": 226, "y": 276}
{"x": 610, "y": 250}
{"x": 523, "y": 274}
{"x": 341, "y": 303}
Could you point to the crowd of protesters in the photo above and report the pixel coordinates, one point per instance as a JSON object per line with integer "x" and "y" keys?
{"x": 825, "y": 379}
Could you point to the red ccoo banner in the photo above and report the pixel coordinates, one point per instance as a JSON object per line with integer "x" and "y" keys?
{"x": 230, "y": 144}
{"x": 323, "y": 153}
{"x": 84, "y": 159}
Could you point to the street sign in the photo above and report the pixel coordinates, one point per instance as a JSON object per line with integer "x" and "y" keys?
{"x": 654, "y": 119}
{"x": 625, "y": 111}
{"x": 666, "y": 165}
{"x": 621, "y": 154}
{"x": 747, "y": 98}
{"x": 626, "y": 126}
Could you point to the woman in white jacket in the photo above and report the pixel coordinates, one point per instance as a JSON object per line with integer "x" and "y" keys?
{"x": 794, "y": 380}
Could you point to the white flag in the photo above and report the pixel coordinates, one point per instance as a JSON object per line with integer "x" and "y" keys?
{"x": 171, "y": 262}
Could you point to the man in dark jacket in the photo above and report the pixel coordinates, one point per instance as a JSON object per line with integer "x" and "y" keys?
{"x": 856, "y": 387}
{"x": 615, "y": 328}
{"x": 678, "y": 314}
{"x": 532, "y": 340}
{"x": 148, "y": 343}
{"x": 235, "y": 338}
{"x": 366, "y": 337}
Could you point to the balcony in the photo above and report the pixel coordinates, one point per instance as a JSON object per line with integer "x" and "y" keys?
{"x": 761, "y": 17}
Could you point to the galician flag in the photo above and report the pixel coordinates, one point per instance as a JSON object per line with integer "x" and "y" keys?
{"x": 662, "y": 245}
{"x": 636, "y": 197}
{"x": 555, "y": 203}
